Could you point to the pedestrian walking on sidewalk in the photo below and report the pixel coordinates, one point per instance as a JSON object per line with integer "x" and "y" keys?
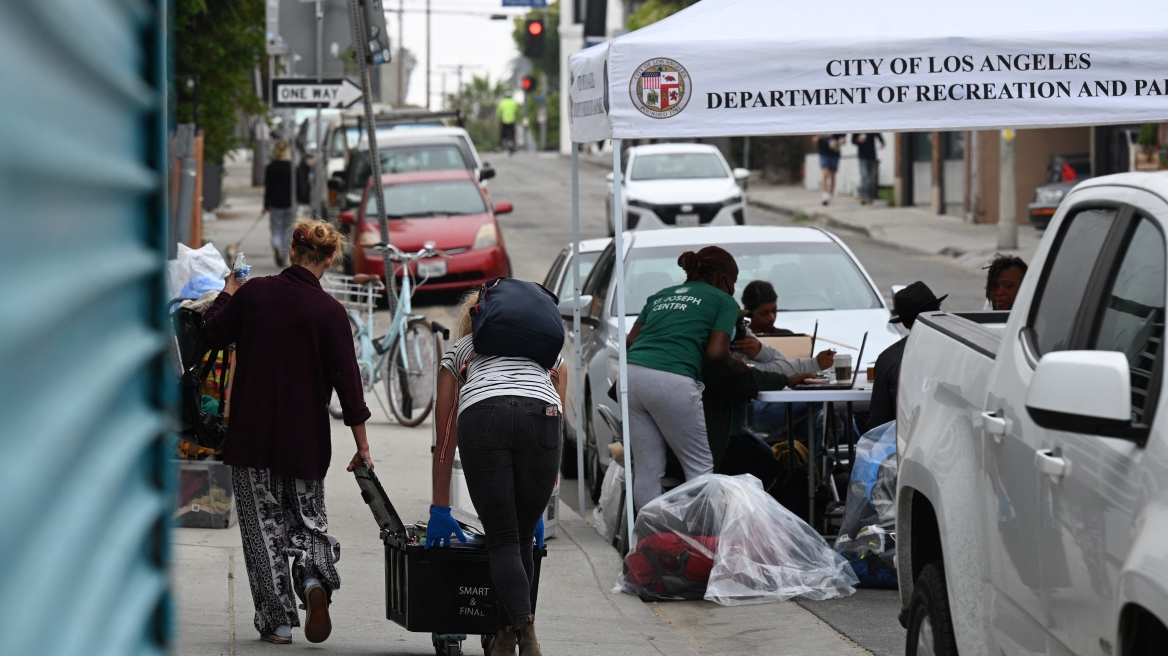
{"x": 278, "y": 200}
{"x": 829, "y": 157}
{"x": 679, "y": 329}
{"x": 504, "y": 414}
{"x": 866, "y": 144}
{"x": 294, "y": 349}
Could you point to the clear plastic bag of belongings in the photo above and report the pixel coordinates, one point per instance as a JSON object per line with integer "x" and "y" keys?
{"x": 724, "y": 539}
{"x": 606, "y": 515}
{"x": 191, "y": 264}
{"x": 871, "y": 499}
{"x": 872, "y": 555}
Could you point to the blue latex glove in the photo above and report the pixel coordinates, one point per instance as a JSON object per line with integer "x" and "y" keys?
{"x": 539, "y": 533}
{"x": 441, "y": 526}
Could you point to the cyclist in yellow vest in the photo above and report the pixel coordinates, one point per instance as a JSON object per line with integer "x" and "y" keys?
{"x": 508, "y": 113}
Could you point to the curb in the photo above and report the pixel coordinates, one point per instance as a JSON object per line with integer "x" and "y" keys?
{"x": 605, "y": 562}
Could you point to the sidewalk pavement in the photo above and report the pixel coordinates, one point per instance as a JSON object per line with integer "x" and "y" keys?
{"x": 577, "y": 613}
{"x": 970, "y": 244}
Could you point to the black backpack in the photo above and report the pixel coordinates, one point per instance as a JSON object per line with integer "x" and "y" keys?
{"x": 205, "y": 429}
{"x": 518, "y": 319}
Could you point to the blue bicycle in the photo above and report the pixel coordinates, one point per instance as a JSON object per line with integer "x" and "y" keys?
{"x": 406, "y": 357}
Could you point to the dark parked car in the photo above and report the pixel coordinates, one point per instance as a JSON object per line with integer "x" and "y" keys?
{"x": 1062, "y": 174}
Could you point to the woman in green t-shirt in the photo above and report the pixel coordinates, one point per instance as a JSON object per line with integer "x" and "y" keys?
{"x": 680, "y": 328}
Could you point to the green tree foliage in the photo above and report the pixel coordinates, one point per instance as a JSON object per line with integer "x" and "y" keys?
{"x": 478, "y": 101}
{"x": 549, "y": 64}
{"x": 218, "y": 44}
{"x": 652, "y": 11}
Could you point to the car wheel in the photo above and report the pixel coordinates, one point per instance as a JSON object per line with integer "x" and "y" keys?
{"x": 593, "y": 475}
{"x": 930, "y": 626}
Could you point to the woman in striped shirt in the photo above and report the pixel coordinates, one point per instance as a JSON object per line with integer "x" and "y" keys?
{"x": 504, "y": 415}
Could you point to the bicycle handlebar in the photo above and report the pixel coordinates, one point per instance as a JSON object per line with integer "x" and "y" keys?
{"x": 396, "y": 254}
{"x": 436, "y": 327}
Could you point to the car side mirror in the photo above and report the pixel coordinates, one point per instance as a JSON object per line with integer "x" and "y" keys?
{"x": 1083, "y": 392}
{"x": 584, "y": 302}
{"x": 742, "y": 175}
{"x": 337, "y": 183}
{"x": 347, "y": 218}
{"x": 504, "y": 208}
{"x": 487, "y": 172}
{"x": 609, "y": 177}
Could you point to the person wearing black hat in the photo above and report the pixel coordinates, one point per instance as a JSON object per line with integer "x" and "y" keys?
{"x": 907, "y": 304}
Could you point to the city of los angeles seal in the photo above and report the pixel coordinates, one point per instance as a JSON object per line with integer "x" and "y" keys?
{"x": 660, "y": 88}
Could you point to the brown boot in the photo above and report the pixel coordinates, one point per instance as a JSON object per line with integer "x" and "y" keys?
{"x": 503, "y": 643}
{"x": 528, "y": 644}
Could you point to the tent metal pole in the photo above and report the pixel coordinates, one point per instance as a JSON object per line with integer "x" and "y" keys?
{"x": 618, "y": 219}
{"x": 577, "y": 372}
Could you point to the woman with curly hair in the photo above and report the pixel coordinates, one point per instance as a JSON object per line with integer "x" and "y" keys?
{"x": 295, "y": 348}
{"x": 679, "y": 329}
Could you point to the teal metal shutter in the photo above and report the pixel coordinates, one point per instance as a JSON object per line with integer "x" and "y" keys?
{"x": 83, "y": 381}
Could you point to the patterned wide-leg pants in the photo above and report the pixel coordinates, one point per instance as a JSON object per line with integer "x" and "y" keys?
{"x": 282, "y": 518}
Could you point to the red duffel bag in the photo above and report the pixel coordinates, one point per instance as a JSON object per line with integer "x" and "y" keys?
{"x": 671, "y": 566}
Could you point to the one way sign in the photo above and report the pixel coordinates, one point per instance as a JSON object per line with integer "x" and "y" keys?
{"x": 312, "y": 92}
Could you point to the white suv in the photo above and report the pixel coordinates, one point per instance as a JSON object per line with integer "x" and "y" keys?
{"x": 682, "y": 185}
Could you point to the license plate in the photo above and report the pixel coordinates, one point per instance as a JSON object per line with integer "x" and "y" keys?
{"x": 431, "y": 268}
{"x": 687, "y": 221}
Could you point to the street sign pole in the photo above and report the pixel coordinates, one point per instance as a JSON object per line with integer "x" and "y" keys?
{"x": 361, "y": 50}
{"x": 316, "y": 198}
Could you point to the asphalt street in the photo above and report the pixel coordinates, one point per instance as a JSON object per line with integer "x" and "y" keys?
{"x": 539, "y": 186}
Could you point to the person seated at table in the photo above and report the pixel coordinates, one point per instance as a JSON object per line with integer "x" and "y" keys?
{"x": 907, "y": 304}
{"x": 735, "y": 449}
{"x": 1002, "y": 283}
{"x": 761, "y": 304}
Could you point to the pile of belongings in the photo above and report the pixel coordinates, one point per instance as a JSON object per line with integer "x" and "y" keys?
{"x": 724, "y": 539}
{"x": 868, "y": 532}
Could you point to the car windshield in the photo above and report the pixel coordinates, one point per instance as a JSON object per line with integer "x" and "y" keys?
{"x": 410, "y": 159}
{"x": 678, "y": 166}
{"x": 807, "y": 276}
{"x": 421, "y": 199}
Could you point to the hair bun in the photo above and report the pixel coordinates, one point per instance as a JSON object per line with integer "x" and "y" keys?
{"x": 689, "y": 261}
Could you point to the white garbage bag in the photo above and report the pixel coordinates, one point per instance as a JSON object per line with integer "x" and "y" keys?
{"x": 606, "y": 515}
{"x": 191, "y": 264}
{"x": 724, "y": 539}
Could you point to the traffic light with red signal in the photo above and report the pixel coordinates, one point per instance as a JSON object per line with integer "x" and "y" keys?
{"x": 528, "y": 83}
{"x": 534, "y": 38}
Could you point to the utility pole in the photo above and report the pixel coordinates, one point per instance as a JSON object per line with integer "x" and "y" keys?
{"x": 427, "y": 54}
{"x": 401, "y": 53}
{"x": 318, "y": 209}
{"x": 1007, "y": 207}
{"x": 361, "y": 50}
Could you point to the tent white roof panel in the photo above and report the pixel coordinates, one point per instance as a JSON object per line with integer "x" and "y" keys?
{"x": 745, "y": 67}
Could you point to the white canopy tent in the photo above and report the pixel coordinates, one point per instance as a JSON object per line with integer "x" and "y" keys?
{"x": 761, "y": 67}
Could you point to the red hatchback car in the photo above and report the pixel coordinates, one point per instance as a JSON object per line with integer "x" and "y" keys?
{"x": 448, "y": 208}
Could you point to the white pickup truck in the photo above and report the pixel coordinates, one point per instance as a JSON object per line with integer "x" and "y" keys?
{"x": 1033, "y": 488}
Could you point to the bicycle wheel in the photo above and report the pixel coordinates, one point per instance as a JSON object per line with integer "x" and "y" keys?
{"x": 409, "y": 382}
{"x": 334, "y": 407}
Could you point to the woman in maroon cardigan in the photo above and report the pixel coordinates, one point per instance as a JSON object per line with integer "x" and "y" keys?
{"x": 294, "y": 348}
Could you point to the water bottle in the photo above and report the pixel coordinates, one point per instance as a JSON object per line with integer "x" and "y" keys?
{"x": 241, "y": 269}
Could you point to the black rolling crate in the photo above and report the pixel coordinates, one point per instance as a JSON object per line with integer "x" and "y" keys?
{"x": 446, "y": 592}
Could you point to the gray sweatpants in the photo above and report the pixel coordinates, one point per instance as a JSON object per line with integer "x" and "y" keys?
{"x": 665, "y": 408}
